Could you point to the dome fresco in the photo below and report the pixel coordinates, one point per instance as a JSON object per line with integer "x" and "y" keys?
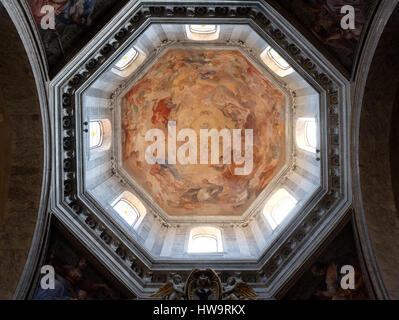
{"x": 183, "y": 136}
{"x": 204, "y": 89}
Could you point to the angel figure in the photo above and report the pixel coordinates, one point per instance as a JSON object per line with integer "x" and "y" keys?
{"x": 235, "y": 290}
{"x": 173, "y": 290}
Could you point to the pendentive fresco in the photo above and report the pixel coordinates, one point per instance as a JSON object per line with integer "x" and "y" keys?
{"x": 323, "y": 19}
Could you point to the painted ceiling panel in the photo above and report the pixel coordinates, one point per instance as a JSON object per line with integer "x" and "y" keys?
{"x": 204, "y": 89}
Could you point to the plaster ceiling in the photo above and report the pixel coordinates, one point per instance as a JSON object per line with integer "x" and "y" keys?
{"x": 204, "y": 89}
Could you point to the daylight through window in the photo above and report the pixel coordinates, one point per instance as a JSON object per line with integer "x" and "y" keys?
{"x": 127, "y": 59}
{"x": 127, "y": 211}
{"x": 96, "y": 134}
{"x": 278, "y": 207}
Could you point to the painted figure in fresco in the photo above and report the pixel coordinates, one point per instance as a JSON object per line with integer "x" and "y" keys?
{"x": 162, "y": 164}
{"x": 205, "y": 76}
{"x": 332, "y": 282}
{"x": 77, "y": 12}
{"x": 162, "y": 111}
{"x": 37, "y": 5}
{"x": 70, "y": 283}
{"x": 326, "y": 17}
{"x": 206, "y": 193}
{"x": 66, "y": 11}
{"x": 238, "y": 114}
{"x": 71, "y": 18}
{"x": 323, "y": 19}
{"x": 327, "y": 25}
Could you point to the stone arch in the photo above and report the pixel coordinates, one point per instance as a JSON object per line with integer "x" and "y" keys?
{"x": 22, "y": 157}
{"x": 374, "y": 153}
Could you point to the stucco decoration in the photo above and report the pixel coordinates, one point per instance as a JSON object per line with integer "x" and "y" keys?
{"x": 205, "y": 285}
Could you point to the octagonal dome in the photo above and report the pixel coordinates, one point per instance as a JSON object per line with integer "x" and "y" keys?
{"x": 137, "y": 235}
{"x": 204, "y": 90}
{"x": 151, "y": 92}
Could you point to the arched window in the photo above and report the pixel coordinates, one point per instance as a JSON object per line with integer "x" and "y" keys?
{"x": 278, "y": 59}
{"x": 278, "y": 207}
{"x": 129, "y": 62}
{"x": 127, "y": 59}
{"x": 306, "y": 134}
{"x": 203, "y": 28}
{"x": 100, "y": 136}
{"x": 204, "y": 243}
{"x": 205, "y": 240}
{"x": 202, "y": 32}
{"x": 276, "y": 62}
{"x": 127, "y": 211}
{"x": 96, "y": 134}
{"x": 130, "y": 208}
{"x": 311, "y": 138}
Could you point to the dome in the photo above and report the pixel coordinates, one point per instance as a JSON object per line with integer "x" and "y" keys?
{"x": 233, "y": 129}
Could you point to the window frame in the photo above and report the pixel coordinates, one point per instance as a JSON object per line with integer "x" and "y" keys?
{"x": 101, "y": 130}
{"x": 129, "y": 63}
{"x": 208, "y": 236}
{"x": 310, "y": 144}
{"x": 271, "y": 52}
{"x": 302, "y": 134}
{"x": 133, "y": 207}
{"x": 273, "y": 204}
{"x": 201, "y": 31}
{"x": 273, "y": 64}
{"x": 202, "y": 36}
{"x": 205, "y": 232}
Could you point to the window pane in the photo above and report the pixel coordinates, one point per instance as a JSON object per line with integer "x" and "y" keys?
{"x": 127, "y": 59}
{"x": 306, "y": 134}
{"x": 311, "y": 133}
{"x": 126, "y": 211}
{"x": 204, "y": 244}
{"x": 96, "y": 134}
{"x": 278, "y": 207}
{"x": 282, "y": 209}
{"x": 197, "y": 28}
{"x": 278, "y": 59}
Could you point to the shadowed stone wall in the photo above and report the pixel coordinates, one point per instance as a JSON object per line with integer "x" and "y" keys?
{"x": 21, "y": 156}
{"x": 395, "y": 149}
{"x": 375, "y": 155}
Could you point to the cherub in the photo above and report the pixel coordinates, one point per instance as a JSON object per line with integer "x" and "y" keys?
{"x": 173, "y": 290}
{"x": 235, "y": 290}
